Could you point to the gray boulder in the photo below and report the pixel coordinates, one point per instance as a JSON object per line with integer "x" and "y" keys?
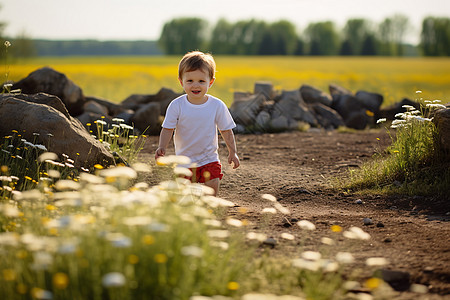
{"x": 265, "y": 88}
{"x": 313, "y": 95}
{"x": 59, "y": 133}
{"x": 327, "y": 117}
{"x": 163, "y": 97}
{"x": 147, "y": 118}
{"x": 372, "y": 101}
{"x": 49, "y": 81}
{"x": 245, "y": 109}
{"x": 292, "y": 106}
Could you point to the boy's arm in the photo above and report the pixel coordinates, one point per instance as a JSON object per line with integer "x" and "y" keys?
{"x": 164, "y": 139}
{"x": 228, "y": 136}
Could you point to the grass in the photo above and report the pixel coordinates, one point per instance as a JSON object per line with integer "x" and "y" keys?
{"x": 413, "y": 164}
{"x": 115, "y": 78}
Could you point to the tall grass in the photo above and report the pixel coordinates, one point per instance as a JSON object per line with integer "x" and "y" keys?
{"x": 115, "y": 78}
{"x": 413, "y": 163}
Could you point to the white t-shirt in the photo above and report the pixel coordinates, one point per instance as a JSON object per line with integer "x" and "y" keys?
{"x": 196, "y": 127}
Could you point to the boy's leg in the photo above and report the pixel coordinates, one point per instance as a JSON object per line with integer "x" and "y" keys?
{"x": 214, "y": 183}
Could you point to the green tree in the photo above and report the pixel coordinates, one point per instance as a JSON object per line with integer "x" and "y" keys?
{"x": 284, "y": 37}
{"x": 391, "y": 34}
{"x": 182, "y": 35}
{"x": 323, "y": 38}
{"x": 354, "y": 34}
{"x": 435, "y": 36}
{"x": 220, "y": 38}
{"x": 369, "y": 45}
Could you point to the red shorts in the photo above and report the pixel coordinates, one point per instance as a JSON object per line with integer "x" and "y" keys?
{"x": 206, "y": 172}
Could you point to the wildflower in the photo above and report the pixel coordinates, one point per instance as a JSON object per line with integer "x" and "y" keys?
{"x": 147, "y": 239}
{"x": 192, "y": 251}
{"x": 101, "y": 122}
{"x": 269, "y": 210}
{"x": 336, "y": 228}
{"x": 217, "y": 202}
{"x": 41, "y": 294}
{"x": 220, "y": 234}
{"x": 311, "y": 255}
{"x": 256, "y": 236}
{"x": 124, "y": 172}
{"x": 42, "y": 147}
{"x": 234, "y": 222}
{"x": 381, "y": 120}
{"x": 182, "y": 171}
{"x": 118, "y": 120}
{"x": 64, "y": 185}
{"x": 233, "y": 286}
{"x": 282, "y": 209}
{"x": 373, "y": 283}
{"x": 133, "y": 259}
{"x": 287, "y": 236}
{"x": 376, "y": 261}
{"x": 7, "y": 44}
{"x": 306, "y": 225}
{"x": 327, "y": 241}
{"x": 220, "y": 244}
{"x": 356, "y": 233}
{"x": 212, "y": 223}
{"x": 9, "y": 275}
{"x": 60, "y": 280}
{"x": 302, "y": 263}
{"x": 345, "y": 257}
{"x": 435, "y": 106}
{"x": 173, "y": 160}
{"x": 269, "y": 197}
{"x": 160, "y": 258}
{"x": 47, "y": 156}
{"x": 42, "y": 260}
{"x": 113, "y": 279}
{"x": 408, "y": 107}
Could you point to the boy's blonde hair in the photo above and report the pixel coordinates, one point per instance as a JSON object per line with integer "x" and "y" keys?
{"x": 196, "y": 60}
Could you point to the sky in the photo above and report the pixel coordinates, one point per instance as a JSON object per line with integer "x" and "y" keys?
{"x": 144, "y": 19}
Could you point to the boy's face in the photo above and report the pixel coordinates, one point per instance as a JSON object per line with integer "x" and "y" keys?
{"x": 196, "y": 84}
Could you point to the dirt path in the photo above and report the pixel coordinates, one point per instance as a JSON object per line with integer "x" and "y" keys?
{"x": 298, "y": 169}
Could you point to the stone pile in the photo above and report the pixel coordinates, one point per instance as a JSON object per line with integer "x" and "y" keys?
{"x": 268, "y": 110}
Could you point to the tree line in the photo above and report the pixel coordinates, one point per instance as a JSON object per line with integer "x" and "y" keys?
{"x": 256, "y": 37}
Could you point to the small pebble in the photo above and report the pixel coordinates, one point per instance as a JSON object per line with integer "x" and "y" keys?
{"x": 379, "y": 224}
{"x": 368, "y": 221}
{"x": 359, "y": 201}
{"x": 270, "y": 242}
{"x": 387, "y": 240}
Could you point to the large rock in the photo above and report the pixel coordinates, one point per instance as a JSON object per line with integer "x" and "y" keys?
{"x": 352, "y": 110}
{"x": 245, "y": 109}
{"x": 113, "y": 109}
{"x": 336, "y": 90}
{"x": 163, "y": 97}
{"x": 313, "y": 95}
{"x": 52, "y": 82}
{"x": 327, "y": 117}
{"x": 59, "y": 133}
{"x": 146, "y": 119}
{"x": 372, "y": 101}
{"x": 292, "y": 106}
{"x": 442, "y": 121}
{"x": 265, "y": 88}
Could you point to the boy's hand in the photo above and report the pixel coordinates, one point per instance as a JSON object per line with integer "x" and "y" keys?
{"x": 234, "y": 160}
{"x": 160, "y": 152}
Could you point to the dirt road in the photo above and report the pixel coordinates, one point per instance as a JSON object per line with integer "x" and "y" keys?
{"x": 299, "y": 169}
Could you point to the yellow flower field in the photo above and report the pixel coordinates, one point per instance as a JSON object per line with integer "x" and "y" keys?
{"x": 115, "y": 78}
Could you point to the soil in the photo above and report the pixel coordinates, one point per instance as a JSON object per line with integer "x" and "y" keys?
{"x": 300, "y": 169}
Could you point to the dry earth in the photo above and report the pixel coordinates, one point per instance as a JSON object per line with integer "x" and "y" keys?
{"x": 298, "y": 168}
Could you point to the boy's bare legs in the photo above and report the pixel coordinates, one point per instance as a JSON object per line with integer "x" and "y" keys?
{"x": 214, "y": 183}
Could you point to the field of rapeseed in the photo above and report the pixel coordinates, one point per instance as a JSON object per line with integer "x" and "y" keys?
{"x": 115, "y": 78}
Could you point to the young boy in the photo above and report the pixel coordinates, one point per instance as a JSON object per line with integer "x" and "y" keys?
{"x": 195, "y": 118}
